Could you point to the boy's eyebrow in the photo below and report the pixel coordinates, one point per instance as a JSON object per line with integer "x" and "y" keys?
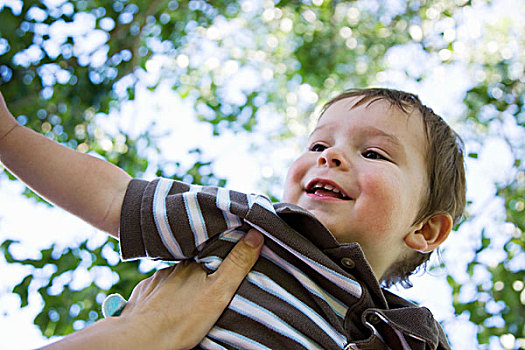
{"x": 397, "y": 146}
{"x": 372, "y": 131}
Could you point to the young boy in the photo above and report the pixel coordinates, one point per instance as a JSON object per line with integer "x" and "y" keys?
{"x": 379, "y": 187}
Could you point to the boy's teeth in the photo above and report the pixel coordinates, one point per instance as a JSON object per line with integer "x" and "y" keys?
{"x": 327, "y": 187}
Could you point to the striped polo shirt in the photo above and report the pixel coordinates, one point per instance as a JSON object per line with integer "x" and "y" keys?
{"x": 306, "y": 291}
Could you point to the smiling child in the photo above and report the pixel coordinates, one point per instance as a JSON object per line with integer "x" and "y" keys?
{"x": 379, "y": 187}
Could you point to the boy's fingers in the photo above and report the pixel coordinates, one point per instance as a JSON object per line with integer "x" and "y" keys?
{"x": 240, "y": 260}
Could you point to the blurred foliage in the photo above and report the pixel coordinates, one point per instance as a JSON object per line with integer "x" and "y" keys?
{"x": 66, "y": 65}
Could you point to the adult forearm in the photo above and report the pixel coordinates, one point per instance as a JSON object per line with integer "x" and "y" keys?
{"x": 88, "y": 187}
{"x": 113, "y": 333}
{"x": 173, "y": 309}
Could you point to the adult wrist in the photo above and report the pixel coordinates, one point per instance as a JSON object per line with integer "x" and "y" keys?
{"x": 148, "y": 330}
{"x": 158, "y": 330}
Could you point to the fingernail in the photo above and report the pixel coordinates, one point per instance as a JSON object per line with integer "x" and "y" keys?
{"x": 253, "y": 239}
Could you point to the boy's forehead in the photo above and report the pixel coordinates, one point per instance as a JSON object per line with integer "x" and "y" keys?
{"x": 355, "y": 105}
{"x": 378, "y": 115}
{"x": 368, "y": 103}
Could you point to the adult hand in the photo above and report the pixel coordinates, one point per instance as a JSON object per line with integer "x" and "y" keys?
{"x": 185, "y": 302}
{"x": 173, "y": 309}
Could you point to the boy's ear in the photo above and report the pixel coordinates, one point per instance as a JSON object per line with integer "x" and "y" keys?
{"x": 428, "y": 235}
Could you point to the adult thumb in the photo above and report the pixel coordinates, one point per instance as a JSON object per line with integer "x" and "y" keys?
{"x": 240, "y": 260}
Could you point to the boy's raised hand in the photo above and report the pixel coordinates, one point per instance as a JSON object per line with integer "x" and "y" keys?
{"x": 87, "y": 187}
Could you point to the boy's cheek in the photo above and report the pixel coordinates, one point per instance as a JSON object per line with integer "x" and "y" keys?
{"x": 289, "y": 190}
{"x": 294, "y": 179}
{"x": 380, "y": 187}
{"x": 291, "y": 193}
{"x": 385, "y": 200}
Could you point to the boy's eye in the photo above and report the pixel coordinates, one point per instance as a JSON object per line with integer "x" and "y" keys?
{"x": 317, "y": 147}
{"x": 373, "y": 155}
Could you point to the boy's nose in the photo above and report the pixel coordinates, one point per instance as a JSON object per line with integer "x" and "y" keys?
{"x": 333, "y": 158}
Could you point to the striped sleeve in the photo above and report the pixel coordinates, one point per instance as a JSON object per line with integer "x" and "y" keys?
{"x": 170, "y": 220}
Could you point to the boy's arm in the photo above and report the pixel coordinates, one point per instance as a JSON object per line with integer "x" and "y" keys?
{"x": 88, "y": 187}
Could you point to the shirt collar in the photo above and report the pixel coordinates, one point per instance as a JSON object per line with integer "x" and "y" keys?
{"x": 307, "y": 224}
{"x": 396, "y": 309}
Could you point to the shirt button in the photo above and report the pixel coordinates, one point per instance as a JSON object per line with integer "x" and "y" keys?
{"x": 347, "y": 262}
{"x": 373, "y": 319}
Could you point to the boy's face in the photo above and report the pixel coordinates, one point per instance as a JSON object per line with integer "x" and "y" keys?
{"x": 363, "y": 176}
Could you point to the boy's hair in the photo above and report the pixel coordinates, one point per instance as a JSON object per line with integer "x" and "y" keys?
{"x": 446, "y": 189}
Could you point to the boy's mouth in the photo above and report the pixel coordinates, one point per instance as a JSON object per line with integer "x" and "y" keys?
{"x": 325, "y": 188}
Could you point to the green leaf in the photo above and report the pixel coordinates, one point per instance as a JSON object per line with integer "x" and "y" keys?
{"x": 22, "y": 289}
